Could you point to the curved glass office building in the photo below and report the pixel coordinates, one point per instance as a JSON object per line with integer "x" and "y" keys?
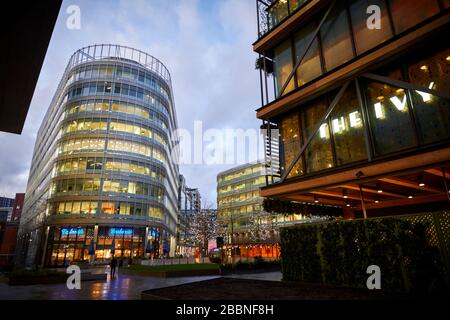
{"x": 103, "y": 180}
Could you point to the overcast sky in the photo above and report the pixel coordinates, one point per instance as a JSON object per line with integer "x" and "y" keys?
{"x": 205, "y": 44}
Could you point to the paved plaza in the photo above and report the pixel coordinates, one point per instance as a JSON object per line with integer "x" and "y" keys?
{"x": 123, "y": 287}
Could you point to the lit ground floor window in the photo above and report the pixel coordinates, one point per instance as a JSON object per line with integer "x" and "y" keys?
{"x": 250, "y": 251}
{"x": 69, "y": 244}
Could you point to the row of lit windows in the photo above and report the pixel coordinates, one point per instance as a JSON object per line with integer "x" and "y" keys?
{"x": 75, "y": 185}
{"x": 91, "y": 207}
{"x": 242, "y": 209}
{"x": 127, "y": 146}
{"x": 264, "y": 221}
{"x": 132, "y": 187}
{"x": 134, "y": 167}
{"x": 113, "y": 185}
{"x": 91, "y": 164}
{"x": 83, "y": 124}
{"x": 344, "y": 34}
{"x": 93, "y": 144}
{"x": 399, "y": 119}
{"x": 137, "y": 129}
{"x": 93, "y": 125}
{"x": 96, "y": 144}
{"x": 109, "y": 88}
{"x": 242, "y": 185}
{"x": 108, "y": 71}
{"x": 122, "y": 107}
{"x": 243, "y": 173}
{"x": 239, "y": 197}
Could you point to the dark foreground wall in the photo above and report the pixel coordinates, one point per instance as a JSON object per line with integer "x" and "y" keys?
{"x": 412, "y": 252}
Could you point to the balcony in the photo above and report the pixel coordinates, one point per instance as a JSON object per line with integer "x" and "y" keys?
{"x": 272, "y": 12}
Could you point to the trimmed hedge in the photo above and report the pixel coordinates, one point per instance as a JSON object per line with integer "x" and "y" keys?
{"x": 338, "y": 253}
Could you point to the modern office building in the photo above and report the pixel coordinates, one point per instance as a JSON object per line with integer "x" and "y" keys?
{"x": 189, "y": 203}
{"x": 6, "y": 202}
{"x": 361, "y": 100}
{"x": 103, "y": 181}
{"x": 249, "y": 231}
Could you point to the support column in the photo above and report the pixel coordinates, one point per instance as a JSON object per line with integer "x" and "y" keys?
{"x": 95, "y": 238}
{"x": 444, "y": 176}
{"x": 363, "y": 205}
{"x": 44, "y": 251}
{"x": 146, "y": 241}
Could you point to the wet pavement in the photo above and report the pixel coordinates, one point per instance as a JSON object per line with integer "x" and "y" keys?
{"x": 123, "y": 287}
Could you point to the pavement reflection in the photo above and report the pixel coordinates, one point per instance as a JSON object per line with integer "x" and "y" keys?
{"x": 122, "y": 287}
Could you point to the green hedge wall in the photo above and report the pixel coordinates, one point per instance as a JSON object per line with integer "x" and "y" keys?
{"x": 339, "y": 253}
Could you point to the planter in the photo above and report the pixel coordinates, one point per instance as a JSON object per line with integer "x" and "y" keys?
{"x": 171, "y": 274}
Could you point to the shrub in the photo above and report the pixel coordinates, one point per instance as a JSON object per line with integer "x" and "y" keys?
{"x": 339, "y": 253}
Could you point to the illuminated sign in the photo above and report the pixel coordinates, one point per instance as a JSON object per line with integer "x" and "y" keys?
{"x": 353, "y": 119}
{"x": 400, "y": 104}
{"x": 154, "y": 233}
{"x": 120, "y": 231}
{"x": 72, "y": 231}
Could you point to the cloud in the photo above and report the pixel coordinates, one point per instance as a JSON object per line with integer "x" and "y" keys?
{"x": 206, "y": 45}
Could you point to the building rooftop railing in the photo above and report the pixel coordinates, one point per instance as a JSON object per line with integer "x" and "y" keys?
{"x": 123, "y": 53}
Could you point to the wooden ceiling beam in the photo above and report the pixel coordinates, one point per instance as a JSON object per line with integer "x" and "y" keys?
{"x": 310, "y": 199}
{"x": 411, "y": 184}
{"x": 404, "y": 202}
{"x": 340, "y": 195}
{"x": 438, "y": 173}
{"x": 370, "y": 190}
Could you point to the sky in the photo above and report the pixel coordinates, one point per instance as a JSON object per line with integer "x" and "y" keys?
{"x": 205, "y": 44}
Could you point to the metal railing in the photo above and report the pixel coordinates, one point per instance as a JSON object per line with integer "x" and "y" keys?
{"x": 112, "y": 51}
{"x": 270, "y": 13}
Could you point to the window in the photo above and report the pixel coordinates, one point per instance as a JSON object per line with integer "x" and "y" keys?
{"x": 108, "y": 208}
{"x": 295, "y": 4}
{"x": 310, "y": 67}
{"x": 347, "y": 128}
{"x": 290, "y": 135}
{"x": 407, "y": 13}
{"x": 318, "y": 154}
{"x": 85, "y": 207}
{"x": 90, "y": 164}
{"x": 278, "y": 12}
{"x": 366, "y": 38}
{"x": 336, "y": 39}
{"x": 76, "y": 207}
{"x": 283, "y": 67}
{"x": 389, "y": 115}
{"x": 432, "y": 112}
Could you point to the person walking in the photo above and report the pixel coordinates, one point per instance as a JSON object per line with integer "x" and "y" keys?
{"x": 113, "y": 266}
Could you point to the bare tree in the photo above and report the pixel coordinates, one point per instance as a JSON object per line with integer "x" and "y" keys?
{"x": 204, "y": 228}
{"x": 258, "y": 229}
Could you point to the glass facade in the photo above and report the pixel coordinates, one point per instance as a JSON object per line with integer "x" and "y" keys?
{"x": 343, "y": 36}
{"x": 310, "y": 67}
{"x": 103, "y": 154}
{"x": 406, "y": 13}
{"x": 384, "y": 118}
